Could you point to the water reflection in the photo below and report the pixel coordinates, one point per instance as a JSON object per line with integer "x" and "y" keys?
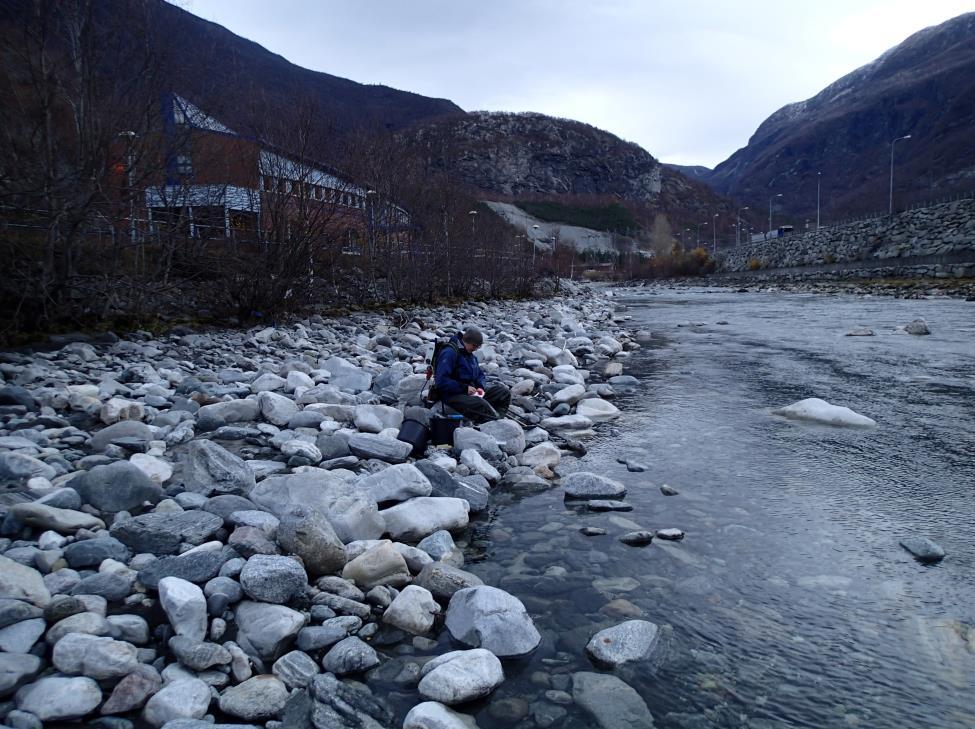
{"x": 789, "y": 603}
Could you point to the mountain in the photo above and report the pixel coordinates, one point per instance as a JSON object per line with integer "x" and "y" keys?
{"x": 695, "y": 172}
{"x": 568, "y": 171}
{"x": 924, "y": 87}
{"x": 231, "y": 77}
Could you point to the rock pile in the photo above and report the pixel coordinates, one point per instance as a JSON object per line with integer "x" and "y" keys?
{"x": 223, "y": 526}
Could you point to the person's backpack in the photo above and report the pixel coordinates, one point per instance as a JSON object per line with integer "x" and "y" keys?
{"x": 433, "y": 394}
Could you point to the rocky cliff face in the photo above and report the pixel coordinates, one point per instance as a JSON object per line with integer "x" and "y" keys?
{"x": 519, "y": 154}
{"x": 924, "y": 87}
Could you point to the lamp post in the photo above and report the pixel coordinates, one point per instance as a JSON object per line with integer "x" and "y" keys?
{"x": 714, "y": 235}
{"x": 698, "y": 239}
{"x": 535, "y": 228}
{"x": 130, "y": 169}
{"x": 779, "y": 194}
{"x": 738, "y": 227}
{"x": 890, "y": 199}
{"x": 819, "y": 179}
{"x": 683, "y": 241}
{"x": 371, "y": 219}
{"x": 473, "y": 214}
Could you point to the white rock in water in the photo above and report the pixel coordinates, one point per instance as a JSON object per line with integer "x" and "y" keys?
{"x": 460, "y": 676}
{"x": 486, "y": 617}
{"x": 597, "y": 409}
{"x": 434, "y": 715}
{"x": 918, "y": 326}
{"x": 820, "y": 411}
{"x": 632, "y": 640}
{"x": 416, "y": 518}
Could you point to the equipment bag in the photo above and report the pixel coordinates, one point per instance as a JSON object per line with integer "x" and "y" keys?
{"x": 433, "y": 394}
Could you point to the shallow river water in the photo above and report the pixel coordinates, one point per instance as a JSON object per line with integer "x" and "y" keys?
{"x": 789, "y": 603}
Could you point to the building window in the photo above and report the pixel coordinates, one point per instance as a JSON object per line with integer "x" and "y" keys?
{"x": 184, "y": 164}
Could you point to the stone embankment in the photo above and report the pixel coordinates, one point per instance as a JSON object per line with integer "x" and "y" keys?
{"x": 936, "y": 241}
{"x": 224, "y": 527}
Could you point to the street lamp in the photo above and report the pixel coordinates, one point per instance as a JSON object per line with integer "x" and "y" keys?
{"x": 130, "y": 168}
{"x": 770, "y": 212}
{"x": 472, "y": 213}
{"x": 714, "y": 236}
{"x": 535, "y": 228}
{"x": 819, "y": 179}
{"x": 698, "y": 244}
{"x": 683, "y": 240}
{"x": 371, "y": 219}
{"x": 890, "y": 200}
{"x": 738, "y": 227}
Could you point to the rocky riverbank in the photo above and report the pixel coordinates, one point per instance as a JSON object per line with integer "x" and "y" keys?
{"x": 919, "y": 288}
{"x": 222, "y": 526}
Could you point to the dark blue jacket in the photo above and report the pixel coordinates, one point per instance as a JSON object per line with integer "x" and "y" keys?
{"x": 456, "y": 369}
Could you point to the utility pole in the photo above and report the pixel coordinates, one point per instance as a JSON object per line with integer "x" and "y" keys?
{"x": 890, "y": 199}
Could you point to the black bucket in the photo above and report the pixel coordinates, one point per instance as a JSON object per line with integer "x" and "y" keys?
{"x": 442, "y": 428}
{"x": 416, "y": 434}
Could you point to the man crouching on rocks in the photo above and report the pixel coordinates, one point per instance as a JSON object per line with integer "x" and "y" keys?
{"x": 461, "y": 384}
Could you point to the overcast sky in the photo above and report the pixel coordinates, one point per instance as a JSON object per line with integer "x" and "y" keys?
{"x": 688, "y": 80}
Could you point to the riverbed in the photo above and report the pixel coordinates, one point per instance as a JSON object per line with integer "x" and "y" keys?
{"x": 790, "y": 602}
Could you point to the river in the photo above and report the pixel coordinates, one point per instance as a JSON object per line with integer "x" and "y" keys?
{"x": 789, "y": 603}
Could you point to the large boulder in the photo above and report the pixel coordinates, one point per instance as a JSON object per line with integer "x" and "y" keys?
{"x": 544, "y": 454}
{"x": 119, "y": 486}
{"x": 129, "y": 429}
{"x": 486, "y": 617}
{"x": 434, "y": 715}
{"x": 820, "y": 411}
{"x": 277, "y": 409}
{"x": 444, "y": 580}
{"x": 63, "y": 521}
{"x": 483, "y": 443}
{"x": 444, "y": 483}
{"x": 414, "y": 519}
{"x": 351, "y": 655}
{"x": 597, "y": 409}
{"x": 307, "y": 533}
{"x": 99, "y": 658}
{"x": 396, "y": 483}
{"x": 351, "y": 512}
{"x": 347, "y": 376}
{"x": 184, "y": 698}
{"x": 19, "y": 467}
{"x": 256, "y": 699}
{"x": 209, "y": 469}
{"x": 566, "y": 423}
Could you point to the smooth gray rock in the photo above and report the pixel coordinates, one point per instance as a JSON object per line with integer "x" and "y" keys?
{"x": 376, "y": 418}
{"x": 162, "y": 533}
{"x": 123, "y": 429}
{"x": 119, "y": 486}
{"x": 396, "y": 483}
{"x": 632, "y": 640}
{"x": 19, "y": 467}
{"x": 256, "y": 699}
{"x": 307, "y": 533}
{"x": 923, "y": 549}
{"x": 185, "y": 606}
{"x": 17, "y": 669}
{"x": 378, "y": 565}
{"x": 197, "y": 655}
{"x": 272, "y": 578}
{"x": 350, "y": 655}
{"x": 20, "y": 637}
{"x": 92, "y": 552}
{"x": 15, "y": 611}
{"x": 414, "y": 519}
{"x": 508, "y": 434}
{"x": 187, "y": 698}
{"x": 351, "y": 512}
{"x": 368, "y": 445}
{"x": 133, "y": 691}
{"x": 486, "y": 617}
{"x": 443, "y": 483}
{"x": 611, "y": 703}
{"x": 330, "y": 632}
{"x": 95, "y": 657}
{"x": 486, "y": 445}
{"x": 63, "y": 521}
{"x": 211, "y": 417}
{"x": 413, "y": 610}
{"x": 444, "y": 580}
{"x": 197, "y": 567}
{"x": 22, "y": 583}
{"x": 277, "y": 409}
{"x": 59, "y": 698}
{"x": 267, "y": 631}
{"x": 434, "y": 715}
{"x": 585, "y": 485}
{"x": 460, "y": 676}
{"x": 86, "y": 622}
{"x": 209, "y": 469}
{"x": 344, "y": 706}
{"x": 639, "y": 538}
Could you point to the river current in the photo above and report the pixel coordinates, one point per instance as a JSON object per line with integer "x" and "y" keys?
{"x": 789, "y": 603}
